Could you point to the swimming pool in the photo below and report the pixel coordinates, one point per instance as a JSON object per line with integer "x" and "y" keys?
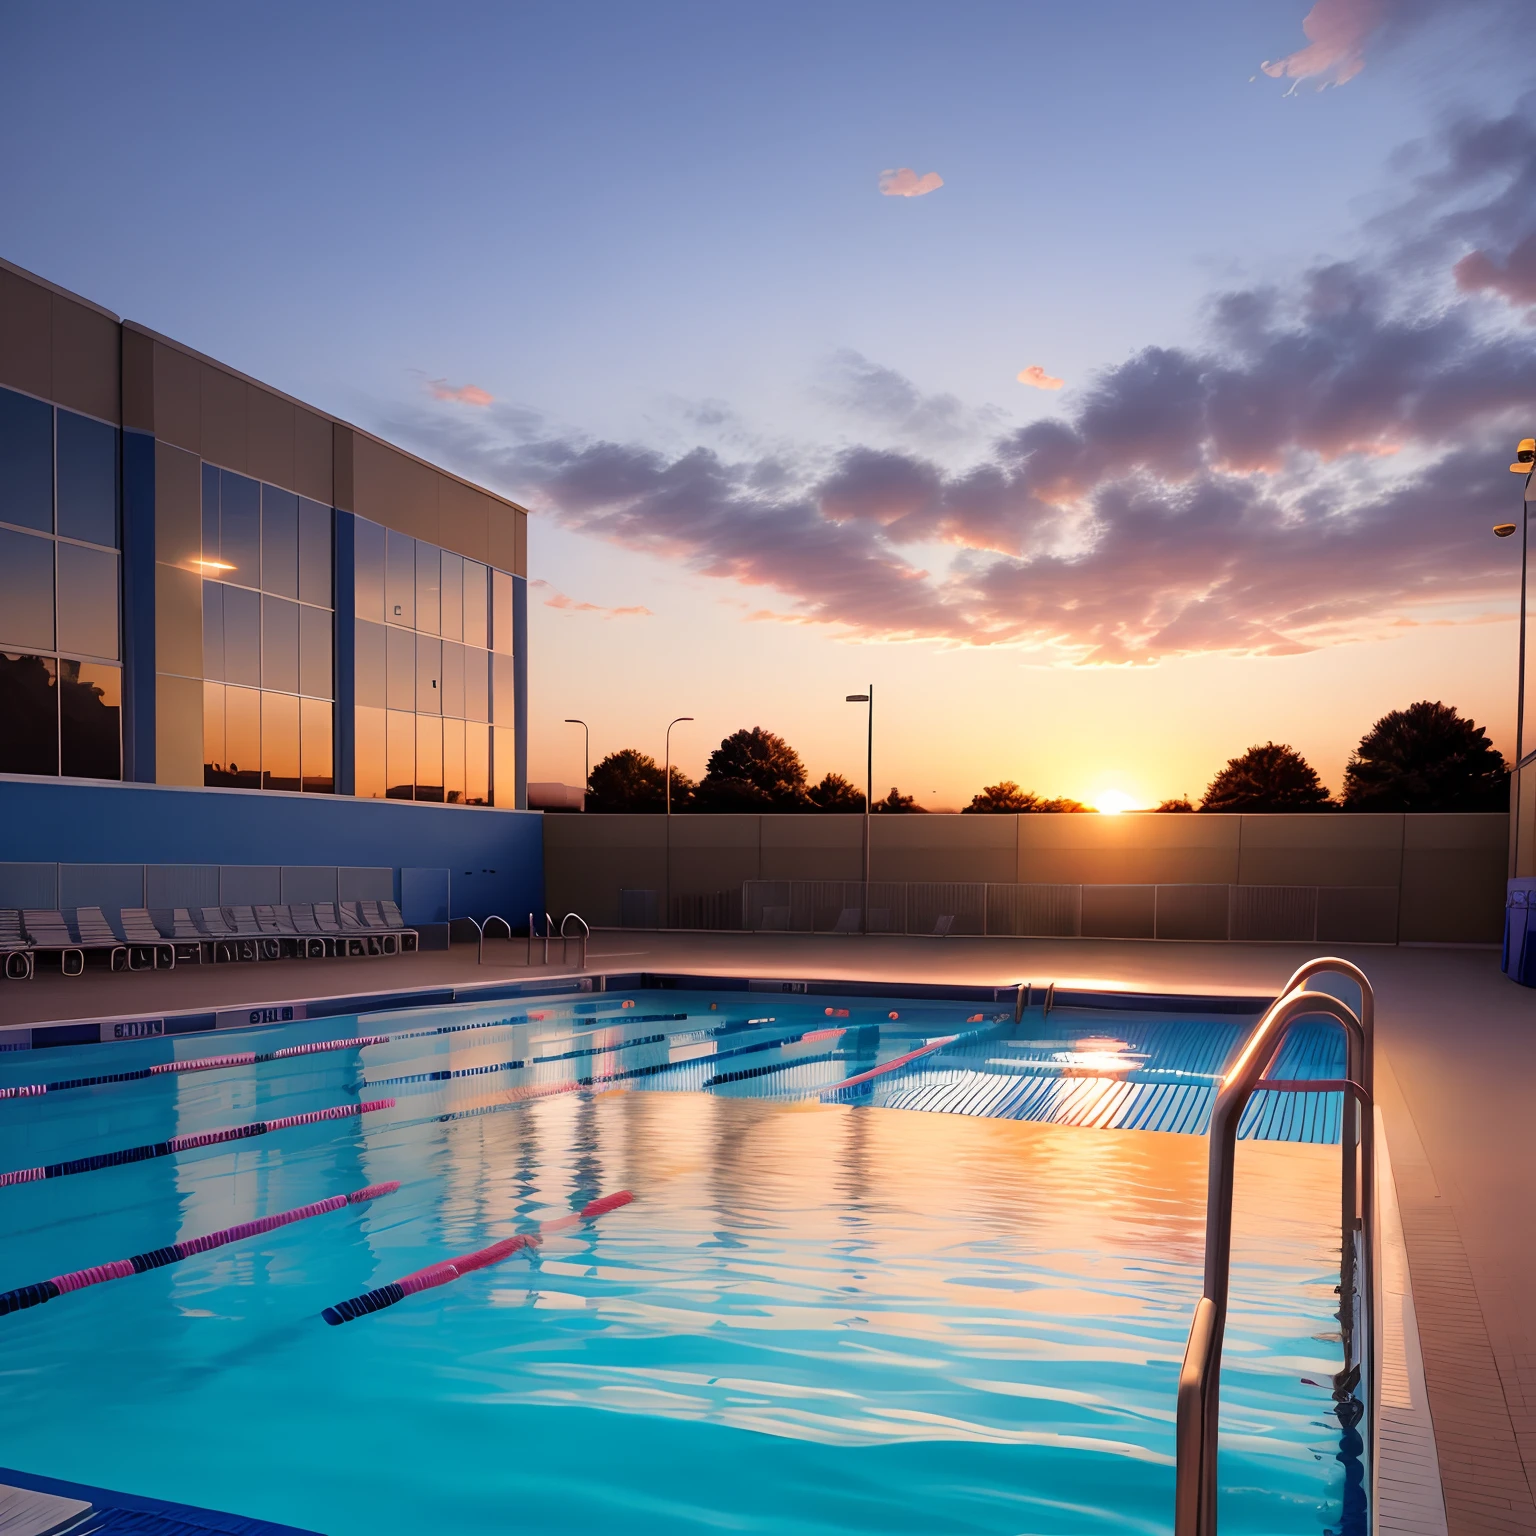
{"x": 813, "y": 1318}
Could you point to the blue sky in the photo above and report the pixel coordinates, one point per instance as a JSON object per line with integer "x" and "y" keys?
{"x": 661, "y": 228}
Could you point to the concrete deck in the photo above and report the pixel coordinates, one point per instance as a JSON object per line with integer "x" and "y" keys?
{"x": 1455, "y": 1074}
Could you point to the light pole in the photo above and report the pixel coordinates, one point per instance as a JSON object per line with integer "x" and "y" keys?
{"x": 666, "y": 916}
{"x": 869, "y": 796}
{"x": 586, "y": 782}
{"x": 1525, "y": 464}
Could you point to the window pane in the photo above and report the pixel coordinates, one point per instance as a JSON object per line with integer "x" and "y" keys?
{"x": 315, "y": 652}
{"x": 26, "y": 590}
{"x": 400, "y": 579}
{"x": 242, "y": 737}
{"x": 279, "y": 741}
{"x": 314, "y": 553}
{"x": 280, "y": 646}
{"x": 453, "y": 597}
{"x": 88, "y": 600}
{"x": 429, "y": 758}
{"x": 368, "y": 569}
{"x": 29, "y": 715}
{"x": 315, "y": 746}
{"x": 90, "y": 706}
{"x": 400, "y": 756}
{"x": 503, "y": 768}
{"x": 477, "y": 764}
{"x": 368, "y": 665}
{"x": 240, "y": 528}
{"x": 501, "y": 593}
{"x": 213, "y": 631}
{"x": 214, "y": 773}
{"x": 504, "y": 690}
{"x": 87, "y": 479}
{"x": 242, "y": 636}
{"x": 477, "y": 684}
{"x": 429, "y": 666}
{"x": 212, "y": 560}
{"x": 475, "y": 632}
{"x": 453, "y": 679}
{"x": 279, "y": 542}
{"x": 368, "y": 753}
{"x": 428, "y": 585}
{"x": 401, "y": 670}
{"x": 453, "y": 762}
{"x": 26, "y": 461}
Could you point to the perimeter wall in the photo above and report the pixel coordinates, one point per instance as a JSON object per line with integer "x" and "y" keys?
{"x": 1448, "y": 871}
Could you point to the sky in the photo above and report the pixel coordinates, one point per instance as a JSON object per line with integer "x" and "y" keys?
{"x": 1112, "y": 387}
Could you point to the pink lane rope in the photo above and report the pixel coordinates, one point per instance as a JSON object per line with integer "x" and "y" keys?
{"x": 891, "y": 1065}
{"x": 119, "y": 1269}
{"x": 446, "y": 1270}
{"x": 186, "y": 1143}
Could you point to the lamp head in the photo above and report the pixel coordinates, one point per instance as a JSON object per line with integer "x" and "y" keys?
{"x": 1525, "y": 457}
{"x": 1503, "y": 530}
{"x": 857, "y": 698}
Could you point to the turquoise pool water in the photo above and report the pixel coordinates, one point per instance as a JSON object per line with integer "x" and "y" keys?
{"x": 814, "y": 1318}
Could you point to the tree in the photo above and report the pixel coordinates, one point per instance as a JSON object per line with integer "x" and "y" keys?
{"x": 628, "y": 780}
{"x": 1268, "y": 778}
{"x": 898, "y": 804}
{"x": 835, "y": 793}
{"x": 1180, "y": 804}
{"x": 754, "y": 771}
{"x": 1426, "y": 758}
{"x": 1007, "y": 799}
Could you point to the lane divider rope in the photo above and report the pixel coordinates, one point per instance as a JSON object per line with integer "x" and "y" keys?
{"x": 451, "y": 1269}
{"x": 35, "y": 1295}
{"x": 187, "y": 1143}
{"x": 896, "y": 1063}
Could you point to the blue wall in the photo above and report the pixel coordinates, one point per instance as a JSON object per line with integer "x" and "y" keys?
{"x": 496, "y": 858}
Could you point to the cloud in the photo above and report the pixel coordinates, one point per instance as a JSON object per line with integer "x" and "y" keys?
{"x": 460, "y": 394}
{"x": 1337, "y": 32}
{"x": 1321, "y": 467}
{"x": 558, "y": 599}
{"x": 907, "y": 183}
{"x": 1515, "y": 279}
{"x": 880, "y": 395}
{"x": 1037, "y": 378}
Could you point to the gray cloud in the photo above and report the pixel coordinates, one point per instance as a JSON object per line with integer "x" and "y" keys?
{"x": 1326, "y": 465}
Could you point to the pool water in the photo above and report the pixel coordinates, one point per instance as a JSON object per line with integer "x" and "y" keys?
{"x": 813, "y": 1318}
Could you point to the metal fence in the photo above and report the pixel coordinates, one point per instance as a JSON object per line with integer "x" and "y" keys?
{"x": 1308, "y": 913}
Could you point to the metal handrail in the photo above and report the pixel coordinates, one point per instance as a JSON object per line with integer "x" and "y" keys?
{"x": 1199, "y": 1400}
{"x": 480, "y": 928}
{"x": 581, "y": 939}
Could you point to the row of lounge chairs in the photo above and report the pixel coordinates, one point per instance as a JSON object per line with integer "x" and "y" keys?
{"x": 142, "y": 939}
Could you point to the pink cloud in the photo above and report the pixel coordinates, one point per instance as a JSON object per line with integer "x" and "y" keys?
{"x": 558, "y": 599}
{"x": 1515, "y": 280}
{"x": 461, "y": 394}
{"x": 907, "y": 183}
{"x": 1037, "y": 378}
{"x": 1337, "y": 32}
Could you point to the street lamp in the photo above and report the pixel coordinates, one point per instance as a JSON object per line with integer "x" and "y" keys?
{"x": 1525, "y": 464}
{"x": 869, "y": 795}
{"x": 586, "y": 781}
{"x": 666, "y": 916}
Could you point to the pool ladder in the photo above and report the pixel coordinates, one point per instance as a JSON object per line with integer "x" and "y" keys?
{"x": 1199, "y": 1402}
{"x": 566, "y": 940}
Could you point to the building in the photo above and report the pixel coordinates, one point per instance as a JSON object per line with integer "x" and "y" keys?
{"x": 245, "y": 647}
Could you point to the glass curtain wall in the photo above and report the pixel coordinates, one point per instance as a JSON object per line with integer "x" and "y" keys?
{"x": 268, "y": 622}
{"x": 60, "y": 645}
{"x": 433, "y": 674}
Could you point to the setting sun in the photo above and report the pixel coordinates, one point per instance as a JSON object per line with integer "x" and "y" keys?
{"x": 1112, "y": 801}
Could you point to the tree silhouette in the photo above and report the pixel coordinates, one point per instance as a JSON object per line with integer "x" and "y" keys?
{"x": 1007, "y": 799}
{"x": 1176, "y": 805}
{"x": 898, "y": 804}
{"x": 1268, "y": 778}
{"x": 1426, "y": 758}
{"x": 628, "y": 780}
{"x": 754, "y": 771}
{"x": 835, "y": 793}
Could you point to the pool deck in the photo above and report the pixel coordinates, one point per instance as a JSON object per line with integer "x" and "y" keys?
{"x": 1456, "y": 1067}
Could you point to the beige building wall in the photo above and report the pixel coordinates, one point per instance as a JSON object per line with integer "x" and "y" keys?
{"x": 1448, "y": 871}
